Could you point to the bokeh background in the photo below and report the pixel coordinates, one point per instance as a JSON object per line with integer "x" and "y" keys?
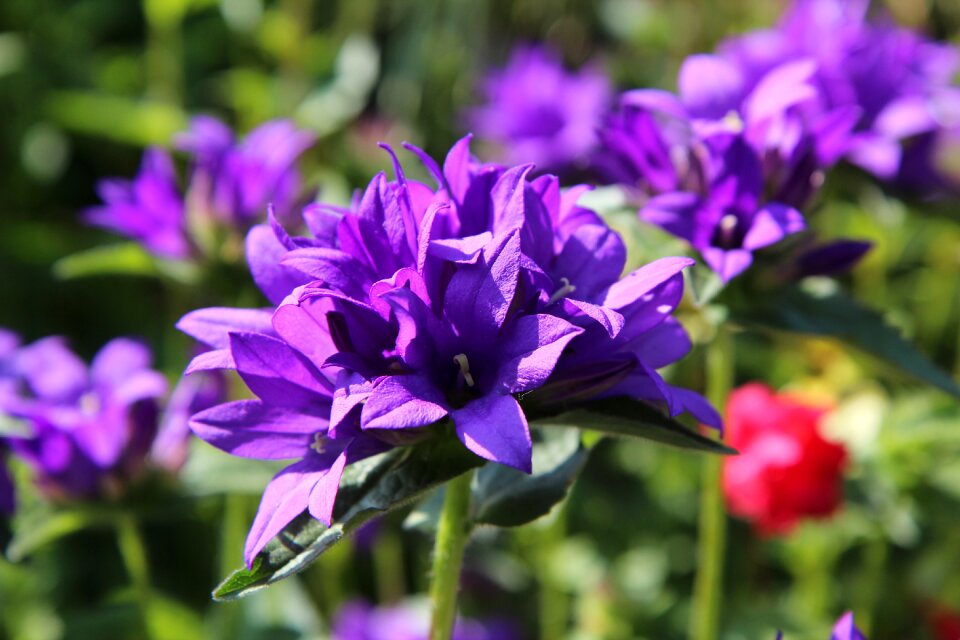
{"x": 86, "y": 85}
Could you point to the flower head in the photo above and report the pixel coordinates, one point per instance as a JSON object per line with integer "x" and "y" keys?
{"x": 786, "y": 471}
{"x": 899, "y": 82}
{"x": 539, "y": 112}
{"x": 420, "y": 306}
{"x": 91, "y": 428}
{"x": 231, "y": 184}
{"x": 845, "y": 629}
{"x": 409, "y": 620}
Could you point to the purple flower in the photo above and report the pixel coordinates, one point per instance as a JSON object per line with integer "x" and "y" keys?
{"x": 235, "y": 181}
{"x": 91, "y": 427}
{"x": 539, "y": 112}
{"x": 731, "y": 221}
{"x": 148, "y": 208}
{"x": 358, "y": 620}
{"x": 899, "y": 81}
{"x": 425, "y": 304}
{"x": 231, "y": 185}
{"x": 846, "y": 630}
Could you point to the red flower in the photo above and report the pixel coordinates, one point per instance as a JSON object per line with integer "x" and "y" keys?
{"x": 946, "y": 624}
{"x": 786, "y": 470}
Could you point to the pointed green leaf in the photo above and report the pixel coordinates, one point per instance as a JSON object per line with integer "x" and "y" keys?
{"x": 506, "y": 497}
{"x": 628, "y": 417}
{"x": 835, "y": 315}
{"x": 41, "y": 526}
{"x": 369, "y": 488}
{"x": 127, "y": 258}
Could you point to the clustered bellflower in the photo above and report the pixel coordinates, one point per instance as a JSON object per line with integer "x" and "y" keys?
{"x": 230, "y": 185}
{"x": 727, "y": 165}
{"x": 426, "y": 303}
{"x": 537, "y": 111}
{"x": 900, "y": 83}
{"x": 87, "y": 431}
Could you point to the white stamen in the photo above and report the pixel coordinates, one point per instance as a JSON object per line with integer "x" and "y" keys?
{"x": 464, "y": 364}
{"x": 734, "y": 122}
{"x": 563, "y": 291}
{"x": 319, "y": 445}
{"x": 90, "y": 403}
{"x": 728, "y": 223}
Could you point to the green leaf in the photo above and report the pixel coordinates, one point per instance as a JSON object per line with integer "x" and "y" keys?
{"x": 369, "y": 488}
{"x": 628, "y": 417}
{"x": 41, "y": 526}
{"x": 122, "y": 258}
{"x": 14, "y": 427}
{"x": 506, "y": 497}
{"x": 835, "y": 315}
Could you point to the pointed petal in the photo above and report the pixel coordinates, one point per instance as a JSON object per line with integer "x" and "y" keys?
{"x": 277, "y": 373}
{"x": 531, "y": 349}
{"x": 211, "y": 326}
{"x": 264, "y": 254}
{"x": 324, "y": 493}
{"x": 119, "y": 359}
{"x": 771, "y": 224}
{"x": 403, "y": 402}
{"x": 644, "y": 280}
{"x": 253, "y": 429}
{"x": 494, "y": 428}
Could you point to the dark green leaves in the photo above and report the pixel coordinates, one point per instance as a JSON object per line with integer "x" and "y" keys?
{"x": 369, "y": 488}
{"x": 834, "y": 315}
{"x": 627, "y": 417}
{"x": 505, "y": 497}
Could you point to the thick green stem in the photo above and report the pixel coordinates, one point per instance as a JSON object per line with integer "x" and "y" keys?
{"x": 554, "y": 603}
{"x": 452, "y": 534}
{"x": 711, "y": 547}
{"x": 134, "y": 554}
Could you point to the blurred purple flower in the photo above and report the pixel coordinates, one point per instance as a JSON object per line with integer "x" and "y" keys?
{"x": 148, "y": 208}
{"x": 358, "y": 620}
{"x": 900, "y": 82}
{"x": 846, "y": 630}
{"x": 236, "y": 180}
{"x": 539, "y": 112}
{"x": 91, "y": 428}
{"x": 418, "y": 304}
{"x": 231, "y": 184}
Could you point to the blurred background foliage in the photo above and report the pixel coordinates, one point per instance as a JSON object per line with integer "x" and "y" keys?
{"x": 85, "y": 85}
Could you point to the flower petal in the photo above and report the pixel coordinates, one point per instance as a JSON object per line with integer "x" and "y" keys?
{"x": 254, "y": 429}
{"x": 494, "y": 428}
{"x": 403, "y": 402}
{"x": 531, "y": 349}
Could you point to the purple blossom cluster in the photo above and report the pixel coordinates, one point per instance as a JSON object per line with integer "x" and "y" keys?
{"x": 358, "y": 620}
{"x": 87, "y": 431}
{"x": 467, "y": 303}
{"x": 729, "y": 163}
{"x": 537, "y": 111}
{"x": 230, "y": 186}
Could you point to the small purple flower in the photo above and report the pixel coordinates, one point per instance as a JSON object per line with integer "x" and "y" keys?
{"x": 91, "y": 428}
{"x": 425, "y": 304}
{"x": 358, "y": 620}
{"x": 846, "y": 630}
{"x": 731, "y": 221}
{"x": 235, "y": 181}
{"x": 148, "y": 208}
{"x": 231, "y": 185}
{"x": 539, "y": 112}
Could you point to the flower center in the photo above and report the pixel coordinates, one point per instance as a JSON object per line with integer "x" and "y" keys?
{"x": 728, "y": 228}
{"x": 319, "y": 443}
{"x": 734, "y": 122}
{"x": 464, "y": 364}
{"x": 563, "y": 291}
{"x": 90, "y": 403}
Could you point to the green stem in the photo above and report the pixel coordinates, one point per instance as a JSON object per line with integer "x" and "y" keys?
{"x": 553, "y": 601}
{"x": 712, "y": 535}
{"x": 452, "y": 534}
{"x": 134, "y": 554}
{"x": 232, "y": 535}
{"x": 388, "y": 567}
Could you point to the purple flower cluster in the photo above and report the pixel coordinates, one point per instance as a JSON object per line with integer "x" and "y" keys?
{"x": 537, "y": 111}
{"x": 358, "y": 620}
{"x": 426, "y": 304}
{"x": 899, "y": 83}
{"x": 231, "y": 184}
{"x": 86, "y": 431}
{"x": 729, "y": 162}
